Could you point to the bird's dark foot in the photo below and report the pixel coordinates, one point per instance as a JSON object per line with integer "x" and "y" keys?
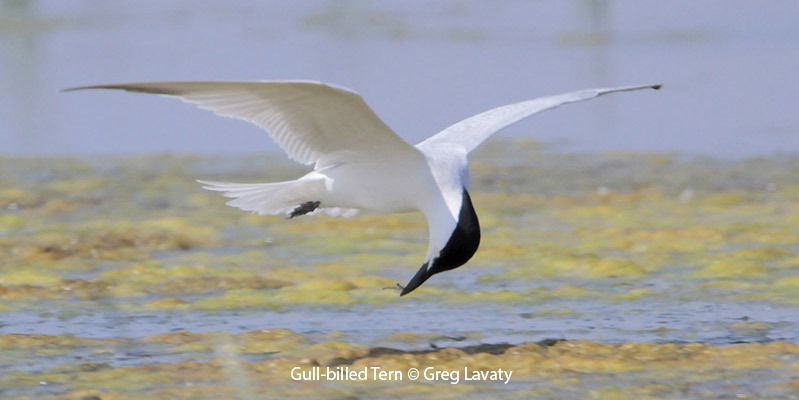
{"x": 304, "y": 208}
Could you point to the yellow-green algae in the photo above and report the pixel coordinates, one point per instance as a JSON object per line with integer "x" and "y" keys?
{"x": 575, "y": 229}
{"x": 560, "y": 232}
{"x": 558, "y": 369}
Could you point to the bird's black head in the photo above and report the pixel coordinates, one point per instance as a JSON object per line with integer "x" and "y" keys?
{"x": 460, "y": 247}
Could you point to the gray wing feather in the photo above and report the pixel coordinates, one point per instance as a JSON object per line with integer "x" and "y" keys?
{"x": 472, "y": 131}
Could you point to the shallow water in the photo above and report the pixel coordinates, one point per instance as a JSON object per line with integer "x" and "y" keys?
{"x": 728, "y": 68}
{"x": 615, "y": 264}
{"x": 647, "y": 321}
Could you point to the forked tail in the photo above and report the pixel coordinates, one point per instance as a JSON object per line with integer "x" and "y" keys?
{"x": 290, "y": 198}
{"x": 279, "y": 198}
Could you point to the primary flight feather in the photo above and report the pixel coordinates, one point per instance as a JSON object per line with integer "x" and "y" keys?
{"x": 360, "y": 164}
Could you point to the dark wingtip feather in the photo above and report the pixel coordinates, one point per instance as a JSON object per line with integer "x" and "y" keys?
{"x": 76, "y": 88}
{"x": 129, "y": 87}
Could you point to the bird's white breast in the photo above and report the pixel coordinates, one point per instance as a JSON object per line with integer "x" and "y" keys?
{"x": 432, "y": 182}
{"x": 379, "y": 185}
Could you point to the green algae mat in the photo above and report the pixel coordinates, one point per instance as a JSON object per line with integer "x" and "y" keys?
{"x": 607, "y": 276}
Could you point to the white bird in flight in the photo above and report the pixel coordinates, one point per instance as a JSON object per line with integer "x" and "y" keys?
{"x": 359, "y": 163}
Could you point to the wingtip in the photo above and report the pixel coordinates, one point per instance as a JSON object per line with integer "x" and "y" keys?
{"x": 657, "y": 86}
{"x": 77, "y": 88}
{"x": 159, "y": 88}
{"x": 71, "y": 89}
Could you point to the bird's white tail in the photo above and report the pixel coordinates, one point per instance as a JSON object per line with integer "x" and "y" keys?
{"x": 287, "y": 198}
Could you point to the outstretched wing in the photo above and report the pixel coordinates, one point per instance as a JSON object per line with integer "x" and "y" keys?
{"x": 469, "y": 133}
{"x": 312, "y": 122}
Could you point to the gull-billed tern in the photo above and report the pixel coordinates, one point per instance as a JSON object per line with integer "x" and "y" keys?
{"x": 359, "y": 163}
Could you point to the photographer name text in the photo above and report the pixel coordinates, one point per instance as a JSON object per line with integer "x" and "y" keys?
{"x": 377, "y": 373}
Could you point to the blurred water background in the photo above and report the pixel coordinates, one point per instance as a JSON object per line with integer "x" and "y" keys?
{"x": 729, "y": 69}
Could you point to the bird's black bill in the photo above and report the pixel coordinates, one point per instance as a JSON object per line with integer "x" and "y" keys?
{"x": 460, "y": 247}
{"x": 422, "y": 275}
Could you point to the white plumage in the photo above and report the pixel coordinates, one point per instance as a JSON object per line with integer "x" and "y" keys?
{"x": 360, "y": 164}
